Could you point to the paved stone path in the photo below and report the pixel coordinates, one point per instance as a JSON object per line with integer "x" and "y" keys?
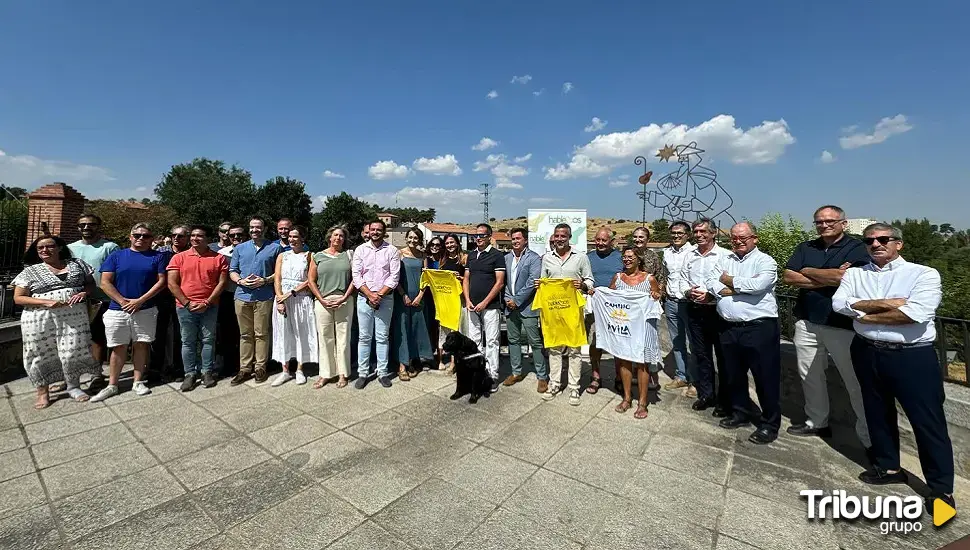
{"x": 256, "y": 467}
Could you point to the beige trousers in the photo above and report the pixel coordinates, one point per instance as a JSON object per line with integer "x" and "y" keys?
{"x": 574, "y": 361}
{"x": 254, "y": 337}
{"x": 333, "y": 334}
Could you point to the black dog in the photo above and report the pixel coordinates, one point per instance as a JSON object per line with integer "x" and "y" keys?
{"x": 472, "y": 377}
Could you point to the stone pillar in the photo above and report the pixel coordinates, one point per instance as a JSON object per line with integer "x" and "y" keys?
{"x": 56, "y": 206}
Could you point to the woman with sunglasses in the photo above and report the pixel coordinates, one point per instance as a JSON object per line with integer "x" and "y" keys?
{"x": 434, "y": 259}
{"x": 294, "y": 323}
{"x": 454, "y": 260}
{"x": 635, "y": 277}
{"x": 54, "y": 324}
{"x": 409, "y": 331}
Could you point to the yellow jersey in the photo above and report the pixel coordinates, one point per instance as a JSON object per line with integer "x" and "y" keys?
{"x": 560, "y": 313}
{"x": 446, "y": 291}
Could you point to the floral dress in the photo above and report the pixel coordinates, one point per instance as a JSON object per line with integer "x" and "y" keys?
{"x": 56, "y": 341}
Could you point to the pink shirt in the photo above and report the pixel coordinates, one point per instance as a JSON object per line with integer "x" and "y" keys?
{"x": 376, "y": 268}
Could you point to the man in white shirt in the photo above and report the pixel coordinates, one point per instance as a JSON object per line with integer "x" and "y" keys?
{"x": 702, "y": 321}
{"x": 675, "y": 258}
{"x": 750, "y": 333}
{"x": 893, "y": 306}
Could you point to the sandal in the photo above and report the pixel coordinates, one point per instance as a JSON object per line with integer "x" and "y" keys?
{"x": 403, "y": 376}
{"x": 623, "y": 406}
{"x": 342, "y": 383}
{"x": 594, "y": 385}
{"x": 43, "y": 401}
{"x": 321, "y": 382}
{"x": 641, "y": 413}
{"x": 78, "y": 395}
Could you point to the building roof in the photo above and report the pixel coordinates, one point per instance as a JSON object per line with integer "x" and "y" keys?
{"x": 132, "y": 205}
{"x": 501, "y": 236}
{"x": 387, "y": 215}
{"x": 448, "y": 228}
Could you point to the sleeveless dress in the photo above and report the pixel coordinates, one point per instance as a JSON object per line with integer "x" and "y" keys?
{"x": 651, "y": 352}
{"x": 295, "y": 334}
{"x": 409, "y": 329}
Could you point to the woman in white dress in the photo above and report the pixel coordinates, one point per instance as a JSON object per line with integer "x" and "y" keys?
{"x": 294, "y": 324}
{"x": 52, "y": 289}
{"x": 634, "y": 277}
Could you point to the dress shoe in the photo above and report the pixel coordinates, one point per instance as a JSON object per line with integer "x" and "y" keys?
{"x": 877, "y": 476}
{"x": 675, "y": 384}
{"x": 721, "y": 412}
{"x": 513, "y": 379}
{"x": 806, "y": 430}
{"x": 931, "y": 500}
{"x": 733, "y": 422}
{"x": 239, "y": 378}
{"x": 703, "y": 404}
{"x": 261, "y": 376}
{"x": 208, "y": 381}
{"x": 763, "y": 436}
{"x": 542, "y": 386}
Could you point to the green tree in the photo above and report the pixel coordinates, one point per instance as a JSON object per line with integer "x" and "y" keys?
{"x": 922, "y": 240}
{"x": 118, "y": 218}
{"x": 12, "y": 192}
{"x": 343, "y": 209}
{"x": 283, "y": 197}
{"x": 778, "y": 238}
{"x": 207, "y": 192}
{"x": 660, "y": 231}
{"x": 411, "y": 214}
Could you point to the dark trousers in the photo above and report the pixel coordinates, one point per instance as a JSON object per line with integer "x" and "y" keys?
{"x": 705, "y": 345}
{"x": 166, "y": 355}
{"x": 227, "y": 335}
{"x": 912, "y": 376}
{"x": 754, "y": 346}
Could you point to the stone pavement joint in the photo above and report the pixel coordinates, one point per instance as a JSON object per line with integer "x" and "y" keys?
{"x": 253, "y": 467}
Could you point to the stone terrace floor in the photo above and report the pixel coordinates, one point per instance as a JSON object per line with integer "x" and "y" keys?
{"x": 256, "y": 467}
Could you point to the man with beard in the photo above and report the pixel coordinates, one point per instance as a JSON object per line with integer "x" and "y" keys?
{"x": 93, "y": 248}
{"x": 251, "y": 268}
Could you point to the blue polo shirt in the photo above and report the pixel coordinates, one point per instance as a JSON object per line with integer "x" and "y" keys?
{"x": 815, "y": 305}
{"x": 605, "y": 267}
{"x": 135, "y": 273}
{"x": 248, "y": 260}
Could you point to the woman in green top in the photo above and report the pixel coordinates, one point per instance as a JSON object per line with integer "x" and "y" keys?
{"x": 331, "y": 284}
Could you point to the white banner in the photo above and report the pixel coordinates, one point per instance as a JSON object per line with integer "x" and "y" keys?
{"x": 621, "y": 322}
{"x": 542, "y": 223}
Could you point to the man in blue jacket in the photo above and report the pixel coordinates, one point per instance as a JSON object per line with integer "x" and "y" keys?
{"x": 523, "y": 267}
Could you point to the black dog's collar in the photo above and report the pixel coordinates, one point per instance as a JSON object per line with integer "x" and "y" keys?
{"x": 474, "y": 355}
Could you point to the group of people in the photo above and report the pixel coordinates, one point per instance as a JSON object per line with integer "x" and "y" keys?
{"x": 858, "y": 301}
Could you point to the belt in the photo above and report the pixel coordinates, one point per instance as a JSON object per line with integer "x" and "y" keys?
{"x": 679, "y": 300}
{"x": 751, "y": 323}
{"x": 894, "y": 345}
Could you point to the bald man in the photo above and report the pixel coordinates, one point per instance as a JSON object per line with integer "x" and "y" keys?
{"x": 605, "y": 261}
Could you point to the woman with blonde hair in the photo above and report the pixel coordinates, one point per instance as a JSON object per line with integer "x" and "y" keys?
{"x": 332, "y": 285}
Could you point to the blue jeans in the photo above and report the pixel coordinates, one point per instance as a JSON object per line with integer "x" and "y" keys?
{"x": 525, "y": 330}
{"x": 374, "y": 325}
{"x": 677, "y": 327}
{"x": 195, "y": 327}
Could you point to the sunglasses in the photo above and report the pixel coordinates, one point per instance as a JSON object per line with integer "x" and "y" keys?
{"x": 137, "y": 236}
{"x": 884, "y": 239}
{"x": 178, "y": 235}
{"x": 482, "y": 235}
{"x": 83, "y": 225}
{"x": 237, "y": 235}
{"x": 435, "y": 245}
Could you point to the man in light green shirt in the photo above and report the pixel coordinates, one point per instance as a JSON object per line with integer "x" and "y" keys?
{"x": 93, "y": 248}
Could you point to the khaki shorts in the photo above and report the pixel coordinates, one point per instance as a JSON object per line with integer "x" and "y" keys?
{"x": 122, "y": 328}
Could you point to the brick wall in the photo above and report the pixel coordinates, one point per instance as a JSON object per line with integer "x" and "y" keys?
{"x": 57, "y": 205}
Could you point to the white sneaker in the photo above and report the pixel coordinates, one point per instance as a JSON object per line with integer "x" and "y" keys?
{"x": 281, "y": 379}
{"x": 551, "y": 393}
{"x": 140, "y": 388}
{"x": 300, "y": 377}
{"x": 109, "y": 391}
{"x": 574, "y": 398}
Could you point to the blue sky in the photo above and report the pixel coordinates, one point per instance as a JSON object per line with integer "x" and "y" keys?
{"x": 108, "y": 95}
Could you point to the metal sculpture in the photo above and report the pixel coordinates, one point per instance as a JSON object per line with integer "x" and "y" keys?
{"x": 691, "y": 191}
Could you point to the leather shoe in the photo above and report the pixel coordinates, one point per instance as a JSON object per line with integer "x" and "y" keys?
{"x": 763, "y": 436}
{"x": 703, "y": 404}
{"x": 805, "y": 430}
{"x": 239, "y": 378}
{"x": 513, "y": 379}
{"x": 876, "y": 476}
{"x": 733, "y": 422}
{"x": 720, "y": 412}
{"x": 542, "y": 386}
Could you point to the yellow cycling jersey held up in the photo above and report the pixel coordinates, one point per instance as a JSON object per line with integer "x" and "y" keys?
{"x": 560, "y": 313}
{"x": 446, "y": 291}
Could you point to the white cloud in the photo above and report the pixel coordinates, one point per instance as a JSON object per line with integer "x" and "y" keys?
{"x": 31, "y": 172}
{"x": 442, "y": 165}
{"x": 579, "y": 166}
{"x": 485, "y": 144}
{"x": 524, "y": 79}
{"x": 141, "y": 189}
{"x": 595, "y": 125}
{"x": 567, "y": 87}
{"x": 826, "y": 158}
{"x": 332, "y": 175}
{"x": 539, "y": 92}
{"x": 490, "y": 161}
{"x": 523, "y": 158}
{"x": 885, "y": 128}
{"x": 505, "y": 170}
{"x": 543, "y": 200}
{"x": 505, "y": 183}
{"x": 449, "y": 202}
{"x": 619, "y": 183}
{"x": 388, "y": 170}
{"x": 492, "y": 95}
{"x": 719, "y": 137}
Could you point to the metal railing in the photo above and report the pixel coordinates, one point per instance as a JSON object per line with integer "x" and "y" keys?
{"x": 952, "y": 340}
